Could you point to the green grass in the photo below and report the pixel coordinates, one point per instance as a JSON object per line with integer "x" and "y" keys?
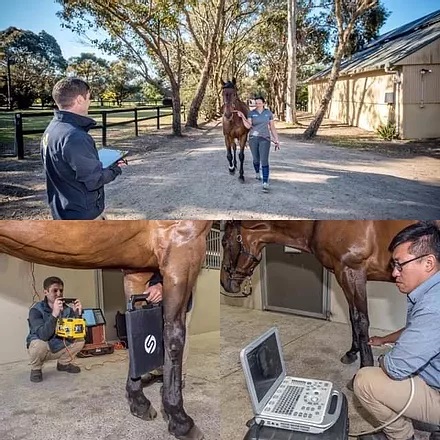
{"x": 7, "y": 129}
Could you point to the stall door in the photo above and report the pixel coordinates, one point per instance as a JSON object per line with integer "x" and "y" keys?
{"x": 294, "y": 282}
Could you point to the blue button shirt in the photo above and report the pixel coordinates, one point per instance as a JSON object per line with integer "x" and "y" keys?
{"x": 417, "y": 351}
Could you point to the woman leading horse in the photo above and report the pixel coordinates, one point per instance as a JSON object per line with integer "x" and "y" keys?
{"x": 262, "y": 133}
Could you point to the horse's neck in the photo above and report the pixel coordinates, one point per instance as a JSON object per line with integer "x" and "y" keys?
{"x": 297, "y": 234}
{"x": 242, "y": 107}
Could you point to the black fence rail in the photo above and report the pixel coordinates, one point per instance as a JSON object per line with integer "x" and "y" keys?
{"x": 20, "y": 132}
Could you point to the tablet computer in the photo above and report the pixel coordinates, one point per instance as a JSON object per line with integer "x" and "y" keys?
{"x": 110, "y": 156}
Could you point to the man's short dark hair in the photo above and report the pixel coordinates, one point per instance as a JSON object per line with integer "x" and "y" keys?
{"x": 260, "y": 97}
{"x": 67, "y": 90}
{"x": 52, "y": 280}
{"x": 423, "y": 236}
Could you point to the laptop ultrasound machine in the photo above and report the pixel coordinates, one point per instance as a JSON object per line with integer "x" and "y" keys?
{"x": 286, "y": 402}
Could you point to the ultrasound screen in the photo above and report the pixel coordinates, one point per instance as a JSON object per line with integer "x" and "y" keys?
{"x": 265, "y": 365}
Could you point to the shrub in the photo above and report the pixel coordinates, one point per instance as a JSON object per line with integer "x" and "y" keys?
{"x": 387, "y": 132}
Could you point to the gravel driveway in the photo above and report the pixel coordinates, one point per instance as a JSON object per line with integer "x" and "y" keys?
{"x": 187, "y": 177}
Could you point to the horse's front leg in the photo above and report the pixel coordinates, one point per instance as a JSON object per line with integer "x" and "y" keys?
{"x": 351, "y": 355}
{"x": 354, "y": 285}
{"x": 229, "y": 156}
{"x": 241, "y": 157}
{"x": 176, "y": 295}
{"x": 140, "y": 406}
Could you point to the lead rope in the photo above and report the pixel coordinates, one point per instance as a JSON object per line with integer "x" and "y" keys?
{"x": 245, "y": 291}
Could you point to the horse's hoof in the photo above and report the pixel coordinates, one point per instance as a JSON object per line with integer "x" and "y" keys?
{"x": 193, "y": 434}
{"x": 348, "y": 358}
{"x": 241, "y": 179}
{"x": 232, "y": 170}
{"x": 350, "y": 384}
{"x": 149, "y": 414}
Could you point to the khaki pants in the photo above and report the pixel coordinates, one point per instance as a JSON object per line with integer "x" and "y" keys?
{"x": 385, "y": 398}
{"x": 39, "y": 353}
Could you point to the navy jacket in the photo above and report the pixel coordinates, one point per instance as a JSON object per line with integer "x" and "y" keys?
{"x": 42, "y": 325}
{"x": 74, "y": 175}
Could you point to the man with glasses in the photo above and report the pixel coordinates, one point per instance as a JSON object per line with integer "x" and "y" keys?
{"x": 75, "y": 178}
{"x": 385, "y": 390}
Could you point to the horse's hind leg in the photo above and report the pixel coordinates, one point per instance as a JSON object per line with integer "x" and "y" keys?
{"x": 140, "y": 406}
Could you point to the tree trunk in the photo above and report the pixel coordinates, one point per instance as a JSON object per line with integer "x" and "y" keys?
{"x": 343, "y": 39}
{"x": 314, "y": 125}
{"x": 291, "y": 56}
{"x": 196, "y": 103}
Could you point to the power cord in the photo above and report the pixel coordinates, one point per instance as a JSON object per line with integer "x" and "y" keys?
{"x": 101, "y": 364}
{"x": 408, "y": 403}
{"x": 35, "y": 294}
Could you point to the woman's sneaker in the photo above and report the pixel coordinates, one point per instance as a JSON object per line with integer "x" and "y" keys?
{"x": 265, "y": 187}
{"x": 257, "y": 176}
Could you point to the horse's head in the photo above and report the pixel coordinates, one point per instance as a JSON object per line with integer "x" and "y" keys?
{"x": 230, "y": 97}
{"x": 240, "y": 256}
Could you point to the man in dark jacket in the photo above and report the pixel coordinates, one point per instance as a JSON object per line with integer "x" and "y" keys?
{"x": 42, "y": 342}
{"x": 74, "y": 175}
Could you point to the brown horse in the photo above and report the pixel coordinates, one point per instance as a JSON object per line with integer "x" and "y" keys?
{"x": 233, "y": 127}
{"x": 139, "y": 248}
{"x": 355, "y": 251}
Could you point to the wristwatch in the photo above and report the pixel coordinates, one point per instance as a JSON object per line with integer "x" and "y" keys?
{"x": 380, "y": 359}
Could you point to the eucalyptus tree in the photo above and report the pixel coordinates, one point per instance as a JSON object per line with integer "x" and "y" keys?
{"x": 36, "y": 62}
{"x": 145, "y": 28}
{"x": 270, "y": 59}
{"x": 355, "y": 22}
{"x": 92, "y": 69}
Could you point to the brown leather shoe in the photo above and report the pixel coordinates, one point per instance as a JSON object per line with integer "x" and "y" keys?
{"x": 36, "y": 376}
{"x": 69, "y": 368}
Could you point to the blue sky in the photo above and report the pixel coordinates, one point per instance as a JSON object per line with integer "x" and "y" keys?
{"x": 38, "y": 15}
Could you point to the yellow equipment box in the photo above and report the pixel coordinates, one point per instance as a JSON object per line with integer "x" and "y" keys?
{"x": 73, "y": 328}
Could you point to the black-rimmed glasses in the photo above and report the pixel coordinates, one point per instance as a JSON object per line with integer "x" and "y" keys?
{"x": 399, "y": 266}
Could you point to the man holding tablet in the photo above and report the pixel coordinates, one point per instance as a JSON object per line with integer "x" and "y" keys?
{"x": 75, "y": 177}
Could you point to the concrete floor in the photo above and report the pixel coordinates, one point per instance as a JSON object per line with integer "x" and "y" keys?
{"x": 311, "y": 348}
{"x": 92, "y": 404}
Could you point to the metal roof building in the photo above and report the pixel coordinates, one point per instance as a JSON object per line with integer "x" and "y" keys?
{"x": 395, "y": 78}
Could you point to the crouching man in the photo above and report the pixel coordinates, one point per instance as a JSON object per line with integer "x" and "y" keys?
{"x": 385, "y": 390}
{"x": 42, "y": 342}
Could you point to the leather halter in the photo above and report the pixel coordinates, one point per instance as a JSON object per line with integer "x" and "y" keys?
{"x": 238, "y": 274}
